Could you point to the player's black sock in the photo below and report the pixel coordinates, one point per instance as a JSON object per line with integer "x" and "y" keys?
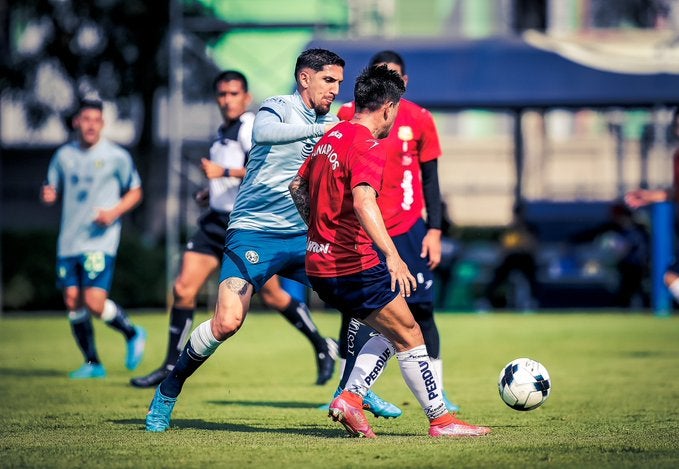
{"x": 181, "y": 320}
{"x": 189, "y": 361}
{"x": 299, "y": 316}
{"x": 355, "y": 337}
{"x": 119, "y": 320}
{"x": 424, "y": 315}
{"x": 81, "y": 326}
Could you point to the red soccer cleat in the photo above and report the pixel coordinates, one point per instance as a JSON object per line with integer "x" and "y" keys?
{"x": 347, "y": 409}
{"x": 451, "y": 426}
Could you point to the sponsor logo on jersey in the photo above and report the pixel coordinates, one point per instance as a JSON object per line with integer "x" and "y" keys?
{"x": 407, "y": 186}
{"x": 252, "y": 257}
{"x": 379, "y": 365}
{"x": 405, "y": 133}
{"x": 429, "y": 380}
{"x": 329, "y": 152}
{"x": 335, "y": 133}
{"x": 313, "y": 246}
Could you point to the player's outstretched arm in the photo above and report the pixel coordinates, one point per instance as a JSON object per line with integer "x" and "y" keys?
{"x": 641, "y": 197}
{"x": 370, "y": 217}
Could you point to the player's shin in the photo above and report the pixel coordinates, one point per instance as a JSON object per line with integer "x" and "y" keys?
{"x": 198, "y": 349}
{"x": 369, "y": 364}
{"x": 423, "y": 381}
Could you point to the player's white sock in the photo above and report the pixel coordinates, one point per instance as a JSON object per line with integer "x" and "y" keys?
{"x": 437, "y": 363}
{"x": 421, "y": 378}
{"x": 203, "y": 341}
{"x": 674, "y": 289}
{"x": 342, "y": 366}
{"x": 370, "y": 363}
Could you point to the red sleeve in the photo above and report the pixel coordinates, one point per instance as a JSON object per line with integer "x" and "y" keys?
{"x": 367, "y": 165}
{"x": 430, "y": 147}
{"x": 303, "y": 171}
{"x": 346, "y": 112}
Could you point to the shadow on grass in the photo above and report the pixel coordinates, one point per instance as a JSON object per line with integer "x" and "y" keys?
{"x": 30, "y": 372}
{"x": 196, "y": 424}
{"x": 274, "y": 404}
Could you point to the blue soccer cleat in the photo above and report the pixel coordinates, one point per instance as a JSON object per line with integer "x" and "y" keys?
{"x": 379, "y": 407}
{"x": 160, "y": 412}
{"x": 135, "y": 348}
{"x": 451, "y": 406}
{"x": 88, "y": 370}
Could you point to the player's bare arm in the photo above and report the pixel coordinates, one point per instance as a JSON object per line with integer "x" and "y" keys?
{"x": 370, "y": 217}
{"x": 130, "y": 200}
{"x": 213, "y": 171}
{"x": 299, "y": 190}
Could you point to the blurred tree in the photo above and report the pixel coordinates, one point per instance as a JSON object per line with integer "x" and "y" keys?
{"x": 53, "y": 52}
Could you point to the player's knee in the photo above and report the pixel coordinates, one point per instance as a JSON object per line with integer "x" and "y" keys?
{"x": 184, "y": 293}
{"x": 226, "y": 325}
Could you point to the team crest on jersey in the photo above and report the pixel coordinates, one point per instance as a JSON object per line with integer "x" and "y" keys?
{"x": 252, "y": 257}
{"x": 99, "y": 164}
{"x": 405, "y": 133}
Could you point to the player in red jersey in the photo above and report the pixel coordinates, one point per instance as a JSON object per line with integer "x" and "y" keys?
{"x": 411, "y": 184}
{"x": 336, "y": 193}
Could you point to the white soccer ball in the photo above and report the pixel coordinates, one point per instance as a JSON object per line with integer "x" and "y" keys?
{"x": 524, "y": 384}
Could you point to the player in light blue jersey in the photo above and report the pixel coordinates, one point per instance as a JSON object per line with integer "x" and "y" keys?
{"x": 266, "y": 235}
{"x": 98, "y": 184}
{"x": 225, "y": 170}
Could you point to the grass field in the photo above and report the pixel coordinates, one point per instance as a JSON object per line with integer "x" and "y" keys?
{"x": 614, "y": 401}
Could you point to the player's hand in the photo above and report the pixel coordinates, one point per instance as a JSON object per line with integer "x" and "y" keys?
{"x": 400, "y": 275}
{"x": 431, "y": 247}
{"x": 211, "y": 170}
{"x": 48, "y": 194}
{"x": 641, "y": 197}
{"x": 106, "y": 217}
{"x": 202, "y": 197}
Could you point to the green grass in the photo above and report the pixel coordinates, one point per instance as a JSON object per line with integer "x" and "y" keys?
{"x": 614, "y": 399}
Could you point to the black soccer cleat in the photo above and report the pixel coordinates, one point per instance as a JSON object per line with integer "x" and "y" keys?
{"x": 325, "y": 360}
{"x": 152, "y": 379}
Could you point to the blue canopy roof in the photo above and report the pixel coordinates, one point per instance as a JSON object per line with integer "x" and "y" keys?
{"x": 503, "y": 73}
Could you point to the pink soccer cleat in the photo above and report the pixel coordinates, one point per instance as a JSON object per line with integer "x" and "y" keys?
{"x": 451, "y": 426}
{"x": 347, "y": 409}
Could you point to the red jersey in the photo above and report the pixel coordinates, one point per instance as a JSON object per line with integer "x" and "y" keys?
{"x": 343, "y": 158}
{"x": 412, "y": 141}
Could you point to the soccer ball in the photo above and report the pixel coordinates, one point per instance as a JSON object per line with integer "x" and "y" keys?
{"x": 524, "y": 384}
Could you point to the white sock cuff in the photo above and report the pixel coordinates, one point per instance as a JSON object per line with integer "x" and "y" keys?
{"x": 674, "y": 289}
{"x": 79, "y": 315}
{"x": 202, "y": 340}
{"x": 415, "y": 354}
{"x": 110, "y": 311}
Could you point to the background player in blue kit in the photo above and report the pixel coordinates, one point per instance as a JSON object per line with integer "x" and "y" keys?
{"x": 225, "y": 169}
{"x": 98, "y": 184}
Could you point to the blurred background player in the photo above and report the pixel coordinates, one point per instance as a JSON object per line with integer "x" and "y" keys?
{"x": 336, "y": 193}
{"x": 411, "y": 184}
{"x": 225, "y": 169}
{"x": 266, "y": 234}
{"x": 98, "y": 183}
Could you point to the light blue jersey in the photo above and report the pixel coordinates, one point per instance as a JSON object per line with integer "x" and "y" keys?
{"x": 89, "y": 180}
{"x": 284, "y": 134}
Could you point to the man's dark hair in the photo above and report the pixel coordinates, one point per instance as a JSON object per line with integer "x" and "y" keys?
{"x": 389, "y": 57}
{"x": 230, "y": 75}
{"x": 376, "y": 86}
{"x": 316, "y": 59}
{"x": 90, "y": 103}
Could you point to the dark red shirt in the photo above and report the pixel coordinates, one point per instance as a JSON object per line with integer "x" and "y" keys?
{"x": 345, "y": 157}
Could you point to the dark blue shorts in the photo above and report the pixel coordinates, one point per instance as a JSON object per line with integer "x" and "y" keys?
{"x": 409, "y": 246}
{"x": 357, "y": 295}
{"x": 209, "y": 239}
{"x": 256, "y": 256}
{"x": 89, "y": 270}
